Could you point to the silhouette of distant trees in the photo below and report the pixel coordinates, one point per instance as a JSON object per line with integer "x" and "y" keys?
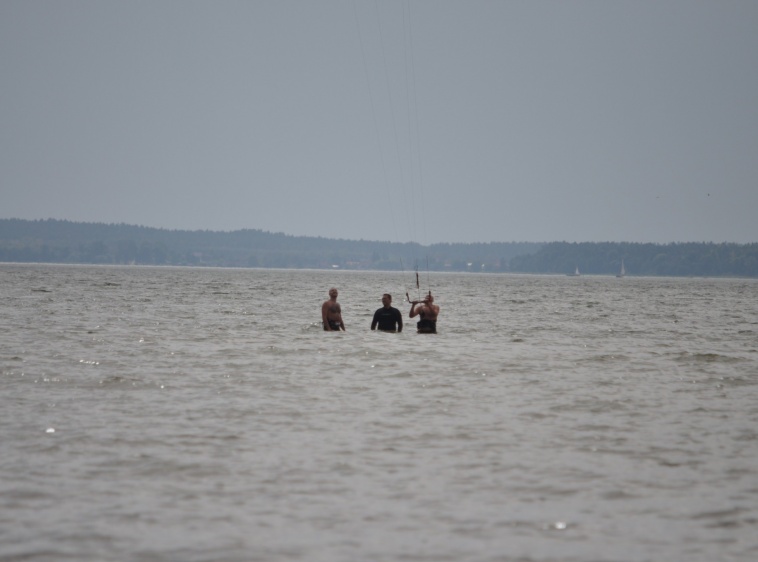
{"x": 676, "y": 259}
{"x": 71, "y": 242}
{"x": 58, "y": 241}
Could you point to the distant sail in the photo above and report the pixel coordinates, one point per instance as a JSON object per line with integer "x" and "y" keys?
{"x": 622, "y": 273}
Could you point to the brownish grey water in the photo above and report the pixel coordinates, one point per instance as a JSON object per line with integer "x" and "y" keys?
{"x": 166, "y": 414}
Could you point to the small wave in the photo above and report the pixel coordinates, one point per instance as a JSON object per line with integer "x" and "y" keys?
{"x": 619, "y": 495}
{"x": 687, "y": 356}
{"x": 606, "y": 358}
{"x": 118, "y": 380}
{"x": 710, "y": 357}
{"x": 724, "y": 518}
{"x": 746, "y": 435}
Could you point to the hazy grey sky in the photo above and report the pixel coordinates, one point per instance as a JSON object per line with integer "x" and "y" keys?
{"x": 423, "y": 120}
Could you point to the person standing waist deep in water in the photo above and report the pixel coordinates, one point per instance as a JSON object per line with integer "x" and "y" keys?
{"x": 388, "y": 318}
{"x": 331, "y": 313}
{"x": 428, "y": 312}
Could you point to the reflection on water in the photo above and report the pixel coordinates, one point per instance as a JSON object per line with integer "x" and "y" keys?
{"x": 202, "y": 414}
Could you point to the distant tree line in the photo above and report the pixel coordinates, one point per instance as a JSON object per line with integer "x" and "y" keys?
{"x": 676, "y": 259}
{"x": 56, "y": 241}
{"x": 97, "y": 243}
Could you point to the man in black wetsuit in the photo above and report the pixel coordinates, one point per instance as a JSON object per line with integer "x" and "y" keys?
{"x": 428, "y": 312}
{"x": 388, "y": 318}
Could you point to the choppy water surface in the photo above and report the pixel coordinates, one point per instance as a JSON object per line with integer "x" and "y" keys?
{"x": 202, "y": 414}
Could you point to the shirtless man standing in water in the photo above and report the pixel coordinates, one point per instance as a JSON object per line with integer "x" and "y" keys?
{"x": 331, "y": 313}
{"x": 428, "y": 312}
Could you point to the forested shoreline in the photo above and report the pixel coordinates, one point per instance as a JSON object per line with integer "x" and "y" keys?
{"x": 687, "y": 259}
{"x": 60, "y": 241}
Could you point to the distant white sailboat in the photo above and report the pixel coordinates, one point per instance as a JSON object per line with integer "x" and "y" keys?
{"x": 575, "y": 274}
{"x": 622, "y": 273}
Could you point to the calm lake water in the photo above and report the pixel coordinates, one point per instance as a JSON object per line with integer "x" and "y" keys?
{"x": 167, "y": 414}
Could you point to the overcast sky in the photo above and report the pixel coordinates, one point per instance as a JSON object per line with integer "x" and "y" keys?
{"x": 422, "y": 120}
